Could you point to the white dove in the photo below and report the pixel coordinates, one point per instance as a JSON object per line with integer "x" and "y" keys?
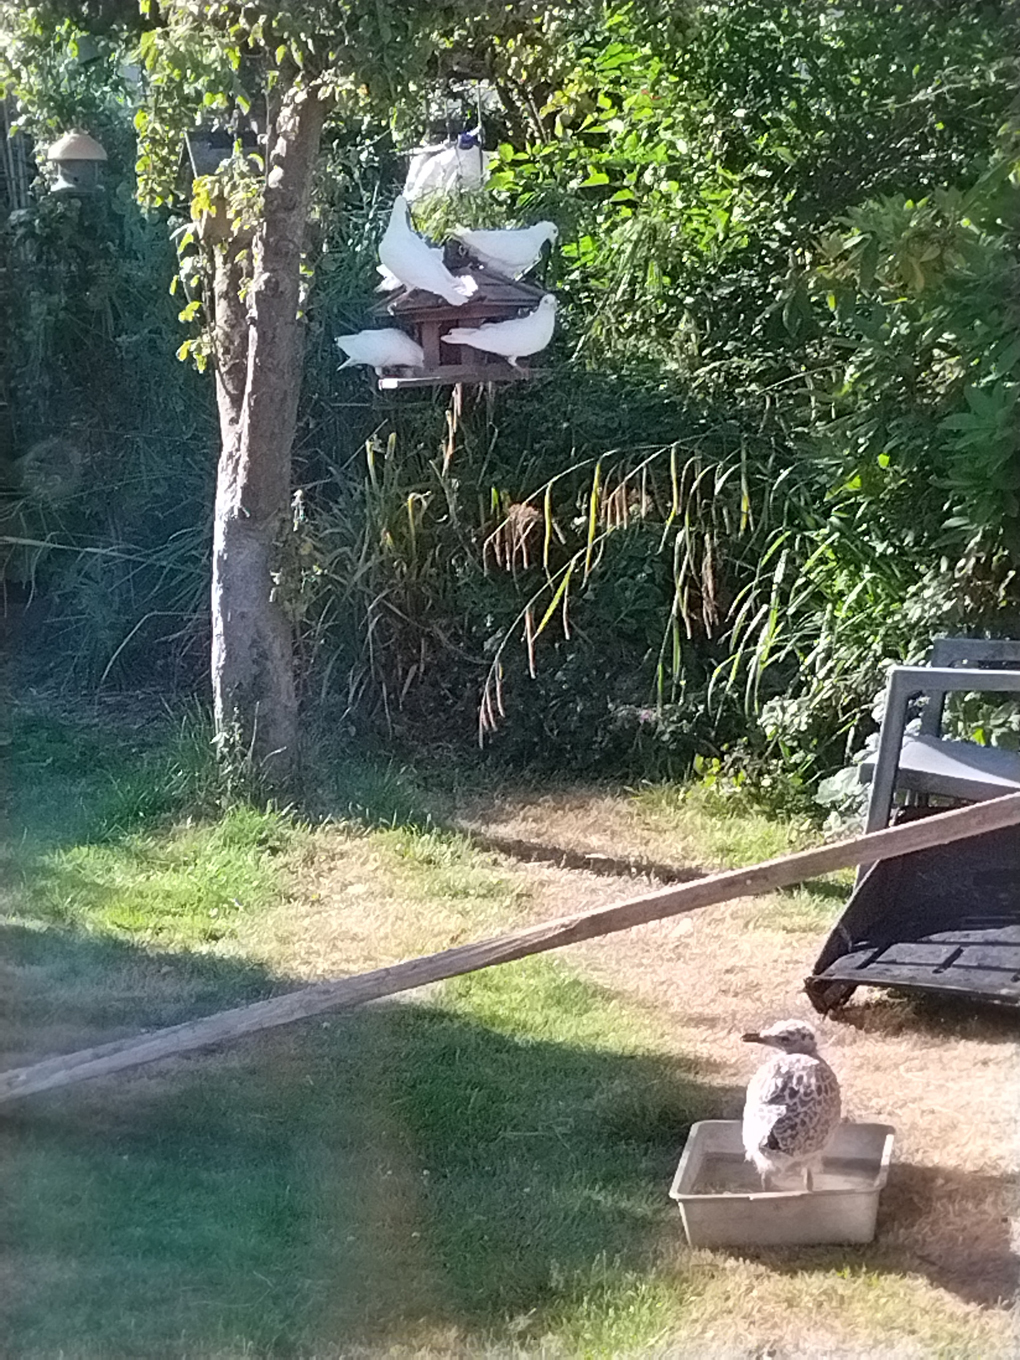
{"x": 510, "y": 253}
{"x": 417, "y": 264}
{"x": 513, "y": 339}
{"x": 389, "y": 282}
{"x": 452, "y": 167}
{"x": 385, "y": 348}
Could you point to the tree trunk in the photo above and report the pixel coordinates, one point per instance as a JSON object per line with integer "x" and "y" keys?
{"x": 259, "y": 344}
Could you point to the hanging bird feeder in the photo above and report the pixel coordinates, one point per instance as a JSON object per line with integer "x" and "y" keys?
{"x": 77, "y": 157}
{"x": 428, "y": 318}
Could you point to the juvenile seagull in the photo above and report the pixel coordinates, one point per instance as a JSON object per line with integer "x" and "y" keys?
{"x": 520, "y": 336}
{"x": 510, "y": 253}
{"x": 793, "y": 1104}
{"x": 384, "y": 348}
{"x": 409, "y": 258}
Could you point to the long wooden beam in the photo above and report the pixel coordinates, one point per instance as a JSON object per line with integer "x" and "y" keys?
{"x": 344, "y": 993}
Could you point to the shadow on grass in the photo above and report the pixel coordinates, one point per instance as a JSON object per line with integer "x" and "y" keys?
{"x": 947, "y": 1225}
{"x": 820, "y": 887}
{"x": 934, "y": 1015}
{"x": 69, "y": 781}
{"x": 61, "y": 991}
{"x": 391, "y": 795}
{"x": 399, "y": 1173}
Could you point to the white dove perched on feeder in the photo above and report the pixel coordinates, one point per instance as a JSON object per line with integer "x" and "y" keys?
{"x": 416, "y": 264}
{"x": 451, "y": 167}
{"x": 514, "y": 339}
{"x": 389, "y": 281}
{"x": 383, "y": 348}
{"x": 510, "y": 252}
{"x": 793, "y": 1104}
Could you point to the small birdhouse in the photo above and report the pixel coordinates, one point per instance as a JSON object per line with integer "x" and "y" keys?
{"x": 428, "y": 318}
{"x": 204, "y": 150}
{"x": 77, "y": 157}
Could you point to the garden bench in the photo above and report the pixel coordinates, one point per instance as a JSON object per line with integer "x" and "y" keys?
{"x": 946, "y": 919}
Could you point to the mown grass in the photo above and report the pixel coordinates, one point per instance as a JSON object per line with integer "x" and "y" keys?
{"x": 410, "y": 1173}
{"x": 106, "y": 839}
{"x": 728, "y": 832}
{"x": 486, "y": 1168}
{"x": 482, "y": 1171}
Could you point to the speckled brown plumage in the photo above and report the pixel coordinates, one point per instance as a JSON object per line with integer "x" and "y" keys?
{"x": 793, "y": 1105}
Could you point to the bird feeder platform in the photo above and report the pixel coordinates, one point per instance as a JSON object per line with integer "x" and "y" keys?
{"x": 722, "y": 1203}
{"x": 944, "y": 920}
{"x": 427, "y": 318}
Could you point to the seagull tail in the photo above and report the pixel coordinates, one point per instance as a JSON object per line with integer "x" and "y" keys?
{"x": 461, "y": 336}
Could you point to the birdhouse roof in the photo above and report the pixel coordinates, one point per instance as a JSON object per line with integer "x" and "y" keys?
{"x": 76, "y": 146}
{"x": 494, "y": 295}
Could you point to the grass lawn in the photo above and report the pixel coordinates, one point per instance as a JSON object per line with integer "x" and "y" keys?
{"x": 480, "y": 1169}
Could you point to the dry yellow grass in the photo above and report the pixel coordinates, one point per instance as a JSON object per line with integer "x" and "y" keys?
{"x": 943, "y": 1075}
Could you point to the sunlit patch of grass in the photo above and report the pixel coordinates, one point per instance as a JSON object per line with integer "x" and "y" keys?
{"x": 181, "y": 887}
{"x": 615, "y": 1310}
{"x": 806, "y": 909}
{"x": 444, "y": 864}
{"x": 723, "y": 833}
{"x": 710, "y": 829}
{"x": 125, "y": 837}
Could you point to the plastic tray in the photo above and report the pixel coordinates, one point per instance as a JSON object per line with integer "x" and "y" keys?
{"x": 722, "y": 1204}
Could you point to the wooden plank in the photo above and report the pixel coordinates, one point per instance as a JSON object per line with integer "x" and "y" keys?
{"x": 355, "y": 991}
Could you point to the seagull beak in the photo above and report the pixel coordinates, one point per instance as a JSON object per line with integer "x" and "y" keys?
{"x": 753, "y": 1039}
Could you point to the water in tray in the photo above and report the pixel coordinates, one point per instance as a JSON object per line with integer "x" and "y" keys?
{"x": 722, "y": 1173}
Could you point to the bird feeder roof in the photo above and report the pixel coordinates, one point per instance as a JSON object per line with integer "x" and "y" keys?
{"x": 494, "y": 295}
{"x": 76, "y": 146}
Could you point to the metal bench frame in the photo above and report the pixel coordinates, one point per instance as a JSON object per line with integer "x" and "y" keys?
{"x": 948, "y": 673}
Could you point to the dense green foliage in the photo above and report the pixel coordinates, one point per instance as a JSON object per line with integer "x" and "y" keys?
{"x": 775, "y": 445}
